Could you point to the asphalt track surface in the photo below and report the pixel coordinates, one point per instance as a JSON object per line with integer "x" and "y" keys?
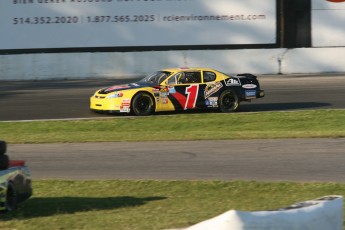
{"x": 32, "y": 100}
{"x": 268, "y": 160}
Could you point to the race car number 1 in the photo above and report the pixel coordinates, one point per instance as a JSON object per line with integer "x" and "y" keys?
{"x": 192, "y": 92}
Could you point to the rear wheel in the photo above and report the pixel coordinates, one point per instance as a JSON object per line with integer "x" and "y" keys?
{"x": 142, "y": 104}
{"x": 228, "y": 101}
{"x": 11, "y": 197}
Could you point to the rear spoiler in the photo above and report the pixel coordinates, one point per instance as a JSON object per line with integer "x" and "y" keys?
{"x": 5, "y": 161}
{"x": 16, "y": 163}
{"x": 248, "y": 75}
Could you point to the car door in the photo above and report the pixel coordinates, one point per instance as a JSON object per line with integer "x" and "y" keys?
{"x": 186, "y": 90}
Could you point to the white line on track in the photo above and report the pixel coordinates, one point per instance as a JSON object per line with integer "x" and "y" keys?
{"x": 132, "y": 117}
{"x": 85, "y": 118}
{"x": 61, "y": 119}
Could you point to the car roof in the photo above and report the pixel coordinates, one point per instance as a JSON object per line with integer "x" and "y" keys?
{"x": 189, "y": 69}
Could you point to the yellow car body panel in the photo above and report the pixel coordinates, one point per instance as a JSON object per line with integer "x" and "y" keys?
{"x": 99, "y": 102}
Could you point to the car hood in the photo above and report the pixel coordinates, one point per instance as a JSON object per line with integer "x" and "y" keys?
{"x": 129, "y": 86}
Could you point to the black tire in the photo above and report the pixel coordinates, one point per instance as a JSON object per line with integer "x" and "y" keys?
{"x": 228, "y": 101}
{"x": 3, "y": 147}
{"x": 4, "y": 162}
{"x": 142, "y": 104}
{"x": 11, "y": 197}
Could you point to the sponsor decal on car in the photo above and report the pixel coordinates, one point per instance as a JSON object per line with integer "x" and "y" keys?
{"x": 172, "y": 89}
{"x": 232, "y": 82}
{"x": 250, "y": 93}
{"x": 125, "y": 105}
{"x": 212, "y": 102}
{"x": 212, "y": 88}
{"x": 165, "y": 100}
{"x": 164, "y": 94}
{"x": 164, "y": 89}
{"x": 125, "y": 110}
{"x": 117, "y": 87}
{"x": 249, "y": 86}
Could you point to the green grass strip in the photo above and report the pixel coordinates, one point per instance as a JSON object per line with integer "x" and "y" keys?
{"x": 204, "y": 126}
{"x": 141, "y": 205}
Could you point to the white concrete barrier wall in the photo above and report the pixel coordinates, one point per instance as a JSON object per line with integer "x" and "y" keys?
{"x": 320, "y": 214}
{"x": 314, "y": 60}
{"x": 131, "y": 64}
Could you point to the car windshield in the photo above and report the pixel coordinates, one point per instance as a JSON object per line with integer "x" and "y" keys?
{"x": 156, "y": 78}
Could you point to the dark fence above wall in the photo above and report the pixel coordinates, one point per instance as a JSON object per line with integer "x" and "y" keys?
{"x": 295, "y": 23}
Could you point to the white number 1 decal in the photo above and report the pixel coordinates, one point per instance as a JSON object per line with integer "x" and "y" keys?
{"x": 192, "y": 95}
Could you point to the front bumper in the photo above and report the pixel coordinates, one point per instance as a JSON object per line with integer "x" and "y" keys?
{"x": 106, "y": 105}
{"x": 105, "y": 111}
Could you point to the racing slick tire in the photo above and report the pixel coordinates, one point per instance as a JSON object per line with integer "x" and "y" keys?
{"x": 11, "y": 197}
{"x": 3, "y": 147}
{"x": 142, "y": 104}
{"x": 4, "y": 162}
{"x": 228, "y": 101}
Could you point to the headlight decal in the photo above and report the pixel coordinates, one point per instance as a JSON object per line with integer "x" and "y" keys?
{"x": 115, "y": 95}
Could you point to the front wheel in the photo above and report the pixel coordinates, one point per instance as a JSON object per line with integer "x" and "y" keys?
{"x": 142, "y": 104}
{"x": 228, "y": 101}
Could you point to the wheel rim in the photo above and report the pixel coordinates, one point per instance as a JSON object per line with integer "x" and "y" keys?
{"x": 229, "y": 101}
{"x": 143, "y": 104}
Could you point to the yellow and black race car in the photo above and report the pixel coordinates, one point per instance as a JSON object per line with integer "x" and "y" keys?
{"x": 178, "y": 89}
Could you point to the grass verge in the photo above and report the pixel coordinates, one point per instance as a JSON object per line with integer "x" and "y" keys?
{"x": 141, "y": 205}
{"x": 205, "y": 126}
